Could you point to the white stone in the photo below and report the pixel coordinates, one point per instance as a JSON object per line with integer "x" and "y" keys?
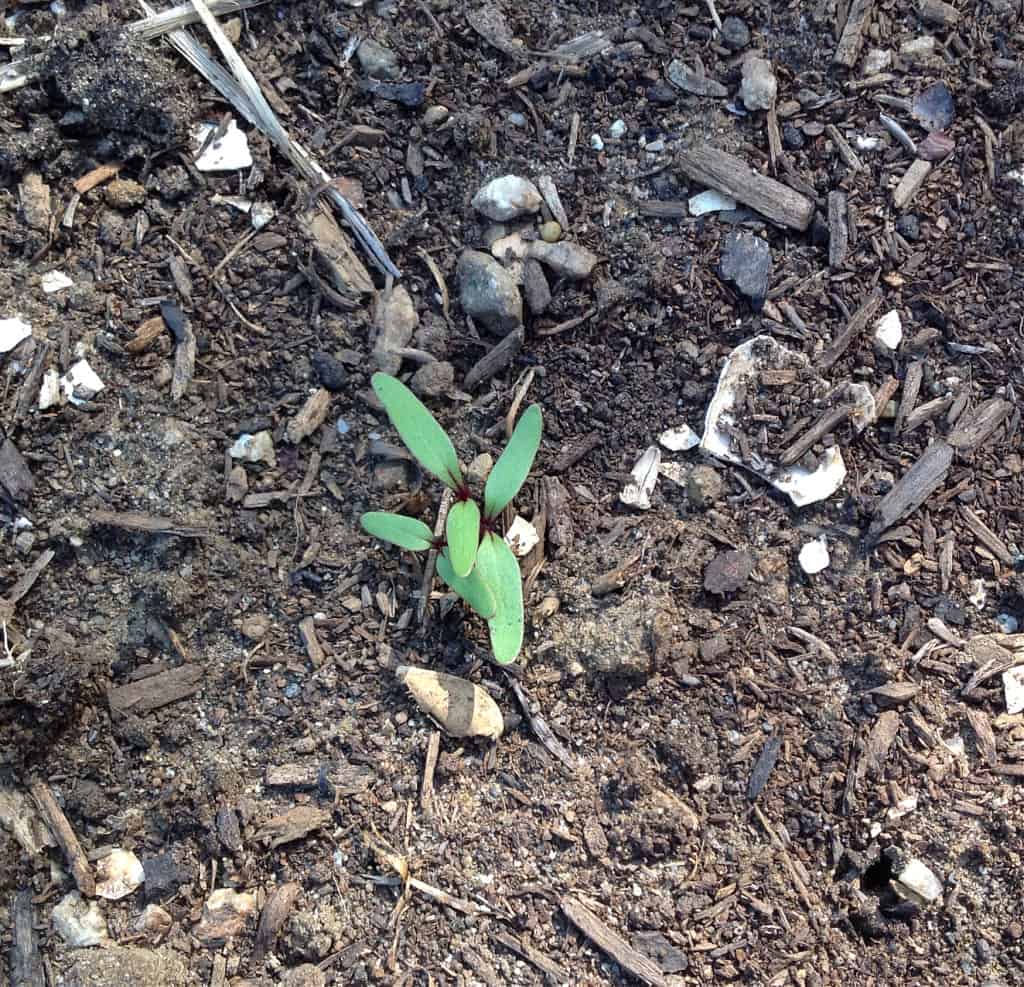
{"x": 258, "y": 448}
{"x": 1013, "y": 689}
{"x": 877, "y": 60}
{"x": 79, "y": 922}
{"x": 260, "y": 214}
{"x": 759, "y": 86}
{"x": 642, "y": 480}
{"x": 865, "y": 143}
{"x": 81, "y": 383}
{"x": 51, "y": 391}
{"x": 710, "y": 201}
{"x": 679, "y": 439}
{"x": 12, "y": 332}
{"x": 506, "y": 198}
{"x": 596, "y": 142}
{"x": 54, "y": 281}
{"x": 814, "y": 556}
{"x": 118, "y": 874}
{"x": 889, "y": 330}
{"x": 617, "y": 130}
{"x": 521, "y": 536}
{"x": 918, "y": 883}
{"x": 229, "y": 152}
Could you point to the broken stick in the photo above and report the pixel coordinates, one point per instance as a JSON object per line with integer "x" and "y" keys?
{"x": 65, "y": 836}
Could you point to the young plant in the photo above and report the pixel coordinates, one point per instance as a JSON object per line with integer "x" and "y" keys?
{"x": 475, "y": 561}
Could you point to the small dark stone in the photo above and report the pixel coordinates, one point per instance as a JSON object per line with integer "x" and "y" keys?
{"x": 662, "y": 94}
{"x": 699, "y": 32}
{"x": 909, "y": 227}
{"x": 747, "y": 261}
{"x": 735, "y": 33}
{"x": 670, "y": 958}
{"x": 228, "y": 830}
{"x": 535, "y": 287}
{"x": 329, "y": 371}
{"x": 792, "y": 137}
{"x": 728, "y": 572}
{"x": 163, "y": 875}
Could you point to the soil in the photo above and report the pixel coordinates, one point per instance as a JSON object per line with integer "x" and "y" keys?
{"x": 742, "y": 800}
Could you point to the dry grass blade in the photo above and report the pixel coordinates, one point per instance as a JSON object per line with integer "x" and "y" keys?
{"x": 244, "y": 94}
{"x": 183, "y": 14}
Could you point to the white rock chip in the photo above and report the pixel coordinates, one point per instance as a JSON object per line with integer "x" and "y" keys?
{"x": 521, "y": 536}
{"x": 889, "y": 330}
{"x": 79, "y": 922}
{"x": 118, "y": 874}
{"x": 506, "y": 198}
{"x": 229, "y": 152}
{"x": 54, "y": 281}
{"x": 642, "y": 481}
{"x": 1013, "y": 689}
{"x": 679, "y": 439}
{"x": 12, "y": 332}
{"x": 759, "y": 86}
{"x": 258, "y": 448}
{"x": 918, "y": 883}
{"x": 814, "y": 556}
{"x": 710, "y": 201}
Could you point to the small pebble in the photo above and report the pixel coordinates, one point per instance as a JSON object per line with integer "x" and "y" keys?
{"x": 792, "y": 137}
{"x": 551, "y": 231}
{"x": 596, "y": 143}
{"x": 909, "y": 227}
{"x": 517, "y": 119}
{"x": 617, "y": 130}
{"x": 735, "y": 33}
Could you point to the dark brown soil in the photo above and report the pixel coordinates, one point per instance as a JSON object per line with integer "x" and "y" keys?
{"x": 739, "y": 807}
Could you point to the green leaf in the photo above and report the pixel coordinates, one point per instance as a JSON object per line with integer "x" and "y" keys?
{"x": 405, "y": 532}
{"x": 498, "y": 568}
{"x": 513, "y": 466}
{"x": 463, "y": 532}
{"x": 471, "y": 588}
{"x": 419, "y": 430}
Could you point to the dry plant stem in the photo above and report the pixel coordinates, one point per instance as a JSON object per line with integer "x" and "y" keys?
{"x": 65, "y": 836}
{"x": 428, "y": 569}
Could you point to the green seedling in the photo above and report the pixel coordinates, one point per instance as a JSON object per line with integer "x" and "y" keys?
{"x": 474, "y": 561}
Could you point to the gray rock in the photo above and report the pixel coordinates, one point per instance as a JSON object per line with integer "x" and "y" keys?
{"x": 377, "y": 61}
{"x": 487, "y": 292}
{"x": 565, "y": 258}
{"x": 735, "y": 33}
{"x": 79, "y": 922}
{"x": 329, "y": 371}
{"x": 433, "y": 379}
{"x": 909, "y": 227}
{"x": 704, "y": 486}
{"x": 118, "y": 966}
{"x": 747, "y": 261}
{"x": 535, "y": 287}
{"x": 728, "y": 572}
{"x": 759, "y": 86}
{"x": 692, "y": 83}
{"x": 396, "y": 322}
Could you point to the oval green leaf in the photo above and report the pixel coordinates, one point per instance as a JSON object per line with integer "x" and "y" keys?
{"x": 419, "y": 430}
{"x": 462, "y": 530}
{"x": 471, "y": 588}
{"x": 405, "y": 532}
{"x": 513, "y": 466}
{"x": 498, "y": 568}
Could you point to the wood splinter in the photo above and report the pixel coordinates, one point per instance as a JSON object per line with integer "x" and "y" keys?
{"x": 65, "y": 836}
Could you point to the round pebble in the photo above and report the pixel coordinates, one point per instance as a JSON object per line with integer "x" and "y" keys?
{"x": 551, "y": 231}
{"x": 792, "y": 137}
{"x": 909, "y": 227}
{"x": 735, "y": 33}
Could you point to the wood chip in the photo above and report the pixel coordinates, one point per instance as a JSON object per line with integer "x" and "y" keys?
{"x": 764, "y": 766}
{"x": 546, "y": 186}
{"x": 146, "y": 334}
{"x": 540, "y": 727}
{"x": 335, "y": 779}
{"x": 334, "y": 251}
{"x": 894, "y": 694}
{"x": 853, "y": 33}
{"x": 99, "y": 175}
{"x": 148, "y": 524}
{"x": 54, "y": 816}
{"x": 429, "y": 766}
{"x": 576, "y": 450}
{"x": 734, "y": 177}
{"x": 295, "y": 824}
{"x": 610, "y": 942}
{"x": 847, "y": 153}
{"x": 310, "y": 416}
{"x": 876, "y": 749}
{"x": 156, "y": 691}
{"x": 314, "y": 649}
{"x": 983, "y": 731}
{"x": 26, "y": 963}
{"x": 184, "y": 361}
{"x": 911, "y": 388}
{"x": 854, "y": 327}
{"x": 275, "y": 913}
{"x": 554, "y": 973}
{"x": 25, "y": 582}
{"x": 911, "y": 182}
{"x": 973, "y": 428}
{"x": 494, "y": 360}
{"x": 913, "y": 488}
{"x": 838, "y": 234}
{"x": 987, "y": 536}
{"x": 668, "y": 209}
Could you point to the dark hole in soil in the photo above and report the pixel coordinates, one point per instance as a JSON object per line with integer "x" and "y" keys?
{"x": 875, "y": 880}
